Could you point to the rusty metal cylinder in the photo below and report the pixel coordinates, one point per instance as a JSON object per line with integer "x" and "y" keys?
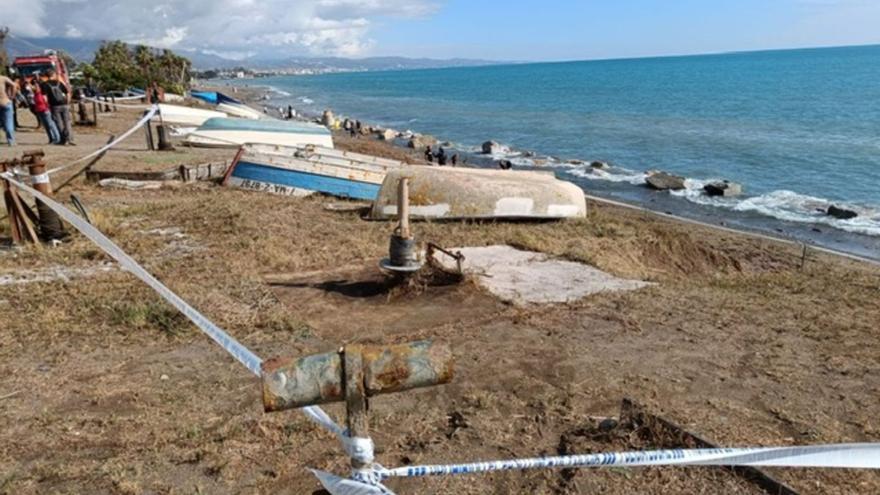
{"x": 164, "y": 142}
{"x": 51, "y": 227}
{"x": 298, "y": 382}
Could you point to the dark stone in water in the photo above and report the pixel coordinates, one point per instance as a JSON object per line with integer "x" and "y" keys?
{"x": 841, "y": 213}
{"x": 725, "y": 188}
{"x": 492, "y": 147}
{"x": 599, "y": 165}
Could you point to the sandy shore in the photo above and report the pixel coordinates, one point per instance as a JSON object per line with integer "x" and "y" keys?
{"x": 105, "y": 389}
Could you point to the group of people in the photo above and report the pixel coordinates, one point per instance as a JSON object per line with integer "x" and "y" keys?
{"x": 441, "y": 156}
{"x": 46, "y": 96}
{"x": 354, "y": 127}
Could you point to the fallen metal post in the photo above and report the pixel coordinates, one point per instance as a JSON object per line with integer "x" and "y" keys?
{"x": 290, "y": 383}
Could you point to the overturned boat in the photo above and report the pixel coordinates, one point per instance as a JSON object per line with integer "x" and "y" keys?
{"x": 470, "y": 193}
{"x": 240, "y": 110}
{"x": 228, "y": 132}
{"x": 300, "y": 171}
{"x": 185, "y": 116}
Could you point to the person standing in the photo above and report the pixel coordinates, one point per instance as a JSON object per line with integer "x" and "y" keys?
{"x": 441, "y": 157}
{"x": 429, "y": 154}
{"x": 44, "y": 115}
{"x": 58, "y": 93}
{"x": 8, "y": 91}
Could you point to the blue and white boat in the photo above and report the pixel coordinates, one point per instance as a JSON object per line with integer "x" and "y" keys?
{"x": 228, "y": 132}
{"x": 300, "y": 171}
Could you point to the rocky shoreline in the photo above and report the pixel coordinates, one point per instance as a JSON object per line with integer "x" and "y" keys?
{"x": 656, "y": 190}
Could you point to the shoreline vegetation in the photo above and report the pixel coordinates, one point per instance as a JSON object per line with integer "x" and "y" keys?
{"x": 107, "y": 389}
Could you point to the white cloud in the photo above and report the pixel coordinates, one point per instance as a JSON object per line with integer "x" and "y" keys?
{"x": 318, "y": 27}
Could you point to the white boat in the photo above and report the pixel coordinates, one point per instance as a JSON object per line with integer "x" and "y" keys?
{"x": 243, "y": 111}
{"x": 226, "y": 132}
{"x": 470, "y": 193}
{"x": 298, "y": 171}
{"x": 185, "y": 116}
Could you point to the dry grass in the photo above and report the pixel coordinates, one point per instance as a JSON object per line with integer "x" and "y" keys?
{"x": 735, "y": 342}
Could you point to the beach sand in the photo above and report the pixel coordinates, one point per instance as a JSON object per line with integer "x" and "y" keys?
{"x": 112, "y": 391}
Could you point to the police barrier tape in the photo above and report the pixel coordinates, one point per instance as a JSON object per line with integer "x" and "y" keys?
{"x": 369, "y": 482}
{"x": 149, "y": 115}
{"x": 852, "y": 456}
{"x": 241, "y": 353}
{"x": 115, "y": 104}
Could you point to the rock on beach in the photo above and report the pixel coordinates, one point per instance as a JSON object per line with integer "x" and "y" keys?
{"x": 725, "y": 188}
{"x": 665, "y": 182}
{"x": 493, "y": 147}
{"x": 841, "y": 213}
{"x": 419, "y": 141}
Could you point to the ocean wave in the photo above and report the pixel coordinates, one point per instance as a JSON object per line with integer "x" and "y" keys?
{"x": 794, "y": 207}
{"x": 782, "y": 205}
{"x": 613, "y": 174}
{"x": 279, "y": 91}
{"x": 788, "y": 206}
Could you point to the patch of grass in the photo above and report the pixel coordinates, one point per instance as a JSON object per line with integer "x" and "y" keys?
{"x": 151, "y": 314}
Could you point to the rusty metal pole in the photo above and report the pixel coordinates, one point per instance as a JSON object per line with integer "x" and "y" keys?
{"x": 51, "y": 227}
{"x": 403, "y": 208}
{"x": 148, "y": 130}
{"x": 355, "y": 398}
{"x": 289, "y": 383}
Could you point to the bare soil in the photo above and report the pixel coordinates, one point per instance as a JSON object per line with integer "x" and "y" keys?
{"x": 106, "y": 389}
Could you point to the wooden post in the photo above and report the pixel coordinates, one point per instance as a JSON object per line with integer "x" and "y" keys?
{"x": 355, "y": 397}
{"x": 10, "y": 209}
{"x": 95, "y": 112}
{"x": 113, "y": 99}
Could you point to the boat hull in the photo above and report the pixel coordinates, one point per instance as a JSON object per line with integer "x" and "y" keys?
{"x": 242, "y": 111}
{"x": 293, "y": 171}
{"x": 462, "y": 193}
{"x": 186, "y": 116}
{"x": 232, "y": 133}
{"x": 234, "y": 139}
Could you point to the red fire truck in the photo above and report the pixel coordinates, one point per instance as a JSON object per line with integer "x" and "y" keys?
{"x": 29, "y": 65}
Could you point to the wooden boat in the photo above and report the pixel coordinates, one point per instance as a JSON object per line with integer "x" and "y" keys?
{"x": 470, "y": 193}
{"x": 226, "y": 132}
{"x": 186, "y": 116}
{"x": 240, "y": 110}
{"x": 299, "y": 171}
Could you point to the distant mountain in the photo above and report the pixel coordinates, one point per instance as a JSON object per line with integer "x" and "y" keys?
{"x": 84, "y": 51}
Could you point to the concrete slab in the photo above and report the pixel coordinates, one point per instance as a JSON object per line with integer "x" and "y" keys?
{"x": 527, "y": 277}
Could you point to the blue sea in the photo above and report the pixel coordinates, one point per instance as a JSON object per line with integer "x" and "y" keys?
{"x": 800, "y": 129}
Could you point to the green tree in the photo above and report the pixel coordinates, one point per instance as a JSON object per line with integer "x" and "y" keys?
{"x": 118, "y": 66}
{"x": 4, "y": 57}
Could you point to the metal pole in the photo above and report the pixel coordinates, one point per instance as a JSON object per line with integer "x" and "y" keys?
{"x": 148, "y": 129}
{"x": 51, "y": 227}
{"x": 403, "y": 208}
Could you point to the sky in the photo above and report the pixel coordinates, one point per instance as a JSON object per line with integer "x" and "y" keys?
{"x": 516, "y": 30}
